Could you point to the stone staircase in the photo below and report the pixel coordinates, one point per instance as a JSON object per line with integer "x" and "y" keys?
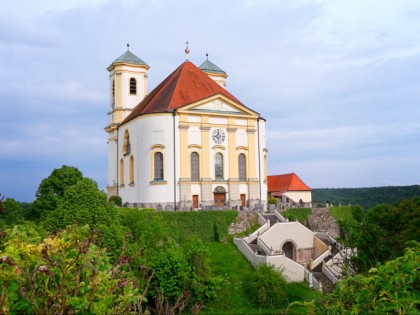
{"x": 272, "y": 218}
{"x": 327, "y": 286}
{"x": 319, "y": 220}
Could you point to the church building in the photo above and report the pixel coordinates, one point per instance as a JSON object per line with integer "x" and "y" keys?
{"x": 187, "y": 144}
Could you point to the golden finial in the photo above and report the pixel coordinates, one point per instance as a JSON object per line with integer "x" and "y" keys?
{"x": 187, "y": 51}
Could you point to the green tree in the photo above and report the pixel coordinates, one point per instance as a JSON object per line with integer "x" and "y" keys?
{"x": 65, "y": 273}
{"x": 51, "y": 190}
{"x": 83, "y": 203}
{"x": 11, "y": 213}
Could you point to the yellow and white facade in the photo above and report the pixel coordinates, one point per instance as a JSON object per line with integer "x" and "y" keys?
{"x": 188, "y": 144}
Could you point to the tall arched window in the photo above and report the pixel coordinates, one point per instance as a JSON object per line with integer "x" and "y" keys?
{"x": 121, "y": 172}
{"x": 158, "y": 165}
{"x": 242, "y": 167}
{"x": 195, "y": 167}
{"x": 133, "y": 86}
{"x": 126, "y": 144}
{"x": 113, "y": 94}
{"x": 131, "y": 170}
{"x": 218, "y": 167}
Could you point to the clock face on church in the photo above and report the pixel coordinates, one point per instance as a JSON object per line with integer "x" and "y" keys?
{"x": 218, "y": 136}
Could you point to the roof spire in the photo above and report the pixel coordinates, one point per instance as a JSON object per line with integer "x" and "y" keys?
{"x": 128, "y": 47}
{"x": 187, "y": 51}
{"x": 207, "y": 56}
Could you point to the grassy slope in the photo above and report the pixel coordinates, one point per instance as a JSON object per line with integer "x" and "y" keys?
{"x": 229, "y": 263}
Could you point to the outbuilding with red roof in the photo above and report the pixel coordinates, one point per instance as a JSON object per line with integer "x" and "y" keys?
{"x": 289, "y": 189}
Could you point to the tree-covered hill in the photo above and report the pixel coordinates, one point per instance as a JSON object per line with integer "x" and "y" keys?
{"x": 366, "y": 197}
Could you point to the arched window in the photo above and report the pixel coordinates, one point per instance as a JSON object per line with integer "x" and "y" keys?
{"x": 195, "y": 167}
{"x": 121, "y": 172}
{"x": 126, "y": 144}
{"x": 131, "y": 170}
{"x": 133, "y": 86}
{"x": 242, "y": 167}
{"x": 219, "y": 166}
{"x": 113, "y": 89}
{"x": 158, "y": 165}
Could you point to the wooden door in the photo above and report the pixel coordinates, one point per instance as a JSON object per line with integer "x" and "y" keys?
{"x": 243, "y": 200}
{"x": 219, "y": 199}
{"x": 195, "y": 201}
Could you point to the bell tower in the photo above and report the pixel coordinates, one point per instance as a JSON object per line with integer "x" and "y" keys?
{"x": 127, "y": 88}
{"x": 214, "y": 72}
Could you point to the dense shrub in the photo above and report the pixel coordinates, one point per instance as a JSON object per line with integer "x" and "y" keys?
{"x": 266, "y": 287}
{"x": 116, "y": 199}
{"x": 300, "y": 214}
{"x": 180, "y": 226}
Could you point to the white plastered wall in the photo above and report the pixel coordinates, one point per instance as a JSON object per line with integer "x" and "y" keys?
{"x": 296, "y": 196}
{"x": 149, "y": 134}
{"x": 282, "y": 232}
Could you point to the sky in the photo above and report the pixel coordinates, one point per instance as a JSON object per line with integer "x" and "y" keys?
{"x": 337, "y": 81}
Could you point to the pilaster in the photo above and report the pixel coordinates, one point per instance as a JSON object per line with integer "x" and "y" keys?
{"x": 233, "y": 161}
{"x": 205, "y": 155}
{"x": 183, "y": 142}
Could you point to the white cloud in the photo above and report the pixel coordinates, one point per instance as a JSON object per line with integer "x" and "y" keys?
{"x": 354, "y": 33}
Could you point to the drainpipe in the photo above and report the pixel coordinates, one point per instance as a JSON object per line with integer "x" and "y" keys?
{"x": 259, "y": 155}
{"x": 173, "y": 115}
{"x": 118, "y": 176}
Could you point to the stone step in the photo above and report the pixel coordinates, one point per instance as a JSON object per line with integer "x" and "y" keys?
{"x": 327, "y": 286}
{"x": 273, "y": 219}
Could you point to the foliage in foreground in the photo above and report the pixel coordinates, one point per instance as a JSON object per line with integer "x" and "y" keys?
{"x": 62, "y": 274}
{"x": 392, "y": 288}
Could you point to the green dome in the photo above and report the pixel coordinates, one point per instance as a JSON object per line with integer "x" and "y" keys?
{"x": 208, "y": 66}
{"x": 129, "y": 57}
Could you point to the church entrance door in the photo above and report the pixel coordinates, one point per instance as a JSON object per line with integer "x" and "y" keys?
{"x": 219, "y": 199}
{"x": 243, "y": 197}
{"x": 195, "y": 201}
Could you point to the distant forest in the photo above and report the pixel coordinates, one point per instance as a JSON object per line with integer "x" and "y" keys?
{"x": 365, "y": 197}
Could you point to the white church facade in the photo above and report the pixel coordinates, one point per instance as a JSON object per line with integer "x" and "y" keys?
{"x": 188, "y": 144}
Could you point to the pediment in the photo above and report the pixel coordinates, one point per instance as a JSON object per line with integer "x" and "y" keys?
{"x": 220, "y": 105}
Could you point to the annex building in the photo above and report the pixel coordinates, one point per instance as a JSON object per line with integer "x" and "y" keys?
{"x": 187, "y": 144}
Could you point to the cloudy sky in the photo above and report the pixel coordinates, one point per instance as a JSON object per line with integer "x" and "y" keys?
{"x": 337, "y": 81}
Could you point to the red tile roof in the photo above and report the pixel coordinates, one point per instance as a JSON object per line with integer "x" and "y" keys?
{"x": 279, "y": 184}
{"x": 186, "y": 85}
